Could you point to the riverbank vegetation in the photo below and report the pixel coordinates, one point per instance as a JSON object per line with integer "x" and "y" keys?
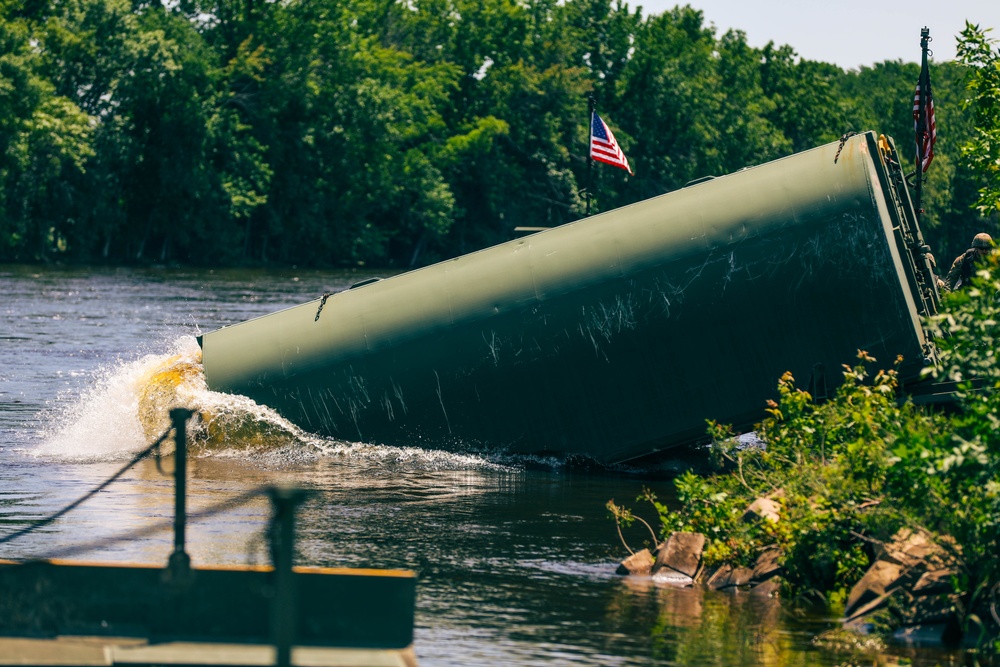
{"x": 849, "y": 475}
{"x": 339, "y": 132}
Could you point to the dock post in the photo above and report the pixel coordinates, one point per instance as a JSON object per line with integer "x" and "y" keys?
{"x": 283, "y": 616}
{"x": 179, "y": 565}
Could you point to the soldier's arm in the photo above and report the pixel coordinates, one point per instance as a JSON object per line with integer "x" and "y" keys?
{"x": 954, "y": 273}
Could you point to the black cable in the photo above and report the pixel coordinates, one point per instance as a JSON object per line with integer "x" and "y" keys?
{"x": 212, "y": 510}
{"x": 87, "y": 496}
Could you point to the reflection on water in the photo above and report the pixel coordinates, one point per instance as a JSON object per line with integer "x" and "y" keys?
{"x": 515, "y": 557}
{"x": 740, "y": 625}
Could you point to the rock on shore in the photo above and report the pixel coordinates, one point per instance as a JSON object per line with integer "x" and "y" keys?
{"x": 910, "y": 588}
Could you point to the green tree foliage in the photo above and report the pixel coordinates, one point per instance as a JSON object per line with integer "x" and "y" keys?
{"x": 982, "y": 150}
{"x": 392, "y": 132}
{"x": 670, "y": 99}
{"x": 44, "y": 145}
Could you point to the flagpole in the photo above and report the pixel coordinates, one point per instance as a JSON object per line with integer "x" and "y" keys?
{"x": 922, "y": 121}
{"x": 591, "y": 107}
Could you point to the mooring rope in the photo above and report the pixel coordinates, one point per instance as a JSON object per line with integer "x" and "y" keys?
{"x": 41, "y": 523}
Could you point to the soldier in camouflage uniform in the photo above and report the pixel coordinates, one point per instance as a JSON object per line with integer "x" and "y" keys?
{"x": 964, "y": 266}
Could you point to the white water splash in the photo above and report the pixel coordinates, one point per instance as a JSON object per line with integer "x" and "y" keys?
{"x": 414, "y": 457}
{"x": 104, "y": 423}
{"x": 128, "y": 406}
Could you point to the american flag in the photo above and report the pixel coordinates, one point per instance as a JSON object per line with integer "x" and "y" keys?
{"x": 603, "y": 146}
{"x": 923, "y": 110}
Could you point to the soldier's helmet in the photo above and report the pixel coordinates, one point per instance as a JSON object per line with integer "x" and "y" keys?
{"x": 982, "y": 240}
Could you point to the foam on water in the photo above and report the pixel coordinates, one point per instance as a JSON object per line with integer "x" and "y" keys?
{"x": 104, "y": 423}
{"x": 128, "y": 407}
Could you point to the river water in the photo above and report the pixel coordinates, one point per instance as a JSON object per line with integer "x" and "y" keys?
{"x": 515, "y": 557}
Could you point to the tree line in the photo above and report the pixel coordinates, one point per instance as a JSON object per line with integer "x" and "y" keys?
{"x": 401, "y": 132}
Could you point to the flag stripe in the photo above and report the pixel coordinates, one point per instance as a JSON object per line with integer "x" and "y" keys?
{"x": 923, "y": 109}
{"x": 603, "y": 146}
